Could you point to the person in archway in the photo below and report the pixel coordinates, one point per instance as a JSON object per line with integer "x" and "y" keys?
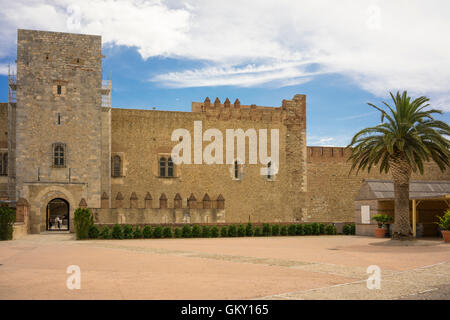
{"x": 58, "y": 221}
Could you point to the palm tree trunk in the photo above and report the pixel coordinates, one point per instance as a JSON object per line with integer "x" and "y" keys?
{"x": 401, "y": 173}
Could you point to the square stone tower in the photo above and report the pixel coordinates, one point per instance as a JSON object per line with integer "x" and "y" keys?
{"x": 58, "y": 121}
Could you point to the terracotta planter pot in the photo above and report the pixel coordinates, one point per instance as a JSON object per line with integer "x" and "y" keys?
{"x": 446, "y": 235}
{"x": 380, "y": 232}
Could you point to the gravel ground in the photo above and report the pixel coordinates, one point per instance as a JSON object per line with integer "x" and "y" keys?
{"x": 309, "y": 267}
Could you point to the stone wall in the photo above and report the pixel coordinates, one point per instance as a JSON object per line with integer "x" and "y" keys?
{"x": 59, "y": 81}
{"x": 140, "y": 136}
{"x": 332, "y": 189}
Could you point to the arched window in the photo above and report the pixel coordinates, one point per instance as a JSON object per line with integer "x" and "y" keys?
{"x": 117, "y": 166}
{"x": 5, "y": 164}
{"x": 162, "y": 166}
{"x": 59, "y": 155}
{"x": 170, "y": 168}
{"x": 236, "y": 169}
{"x": 166, "y": 167}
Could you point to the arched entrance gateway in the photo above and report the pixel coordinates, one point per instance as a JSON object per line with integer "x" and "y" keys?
{"x": 58, "y": 215}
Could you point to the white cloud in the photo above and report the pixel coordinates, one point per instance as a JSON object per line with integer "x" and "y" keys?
{"x": 382, "y": 45}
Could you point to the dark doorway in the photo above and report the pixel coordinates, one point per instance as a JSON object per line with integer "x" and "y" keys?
{"x": 58, "y": 215}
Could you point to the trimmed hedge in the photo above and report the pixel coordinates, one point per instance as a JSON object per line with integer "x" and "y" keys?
{"x": 158, "y": 232}
{"x": 330, "y": 229}
{"x": 292, "y": 229}
{"x": 241, "y": 231}
{"x": 187, "y": 231}
{"x": 105, "y": 233}
{"x": 196, "y": 231}
{"x": 127, "y": 232}
{"x": 167, "y": 232}
{"x": 137, "y": 234}
{"x": 224, "y": 231}
{"x": 206, "y": 232}
{"x": 147, "y": 232}
{"x": 215, "y": 232}
{"x": 178, "y": 233}
{"x": 94, "y": 232}
{"x": 7, "y": 219}
{"x": 232, "y": 230}
{"x": 276, "y": 230}
{"x": 249, "y": 230}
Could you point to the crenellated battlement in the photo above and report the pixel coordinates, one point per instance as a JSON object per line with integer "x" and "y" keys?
{"x": 327, "y": 153}
{"x": 238, "y": 111}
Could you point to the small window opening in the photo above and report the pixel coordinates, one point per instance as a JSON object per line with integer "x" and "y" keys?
{"x": 59, "y": 118}
{"x": 59, "y": 89}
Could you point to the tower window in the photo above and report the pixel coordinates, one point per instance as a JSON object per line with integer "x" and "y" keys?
{"x": 237, "y": 170}
{"x": 59, "y": 89}
{"x": 166, "y": 167}
{"x": 59, "y": 118}
{"x": 117, "y": 166}
{"x": 3, "y": 164}
{"x": 59, "y": 155}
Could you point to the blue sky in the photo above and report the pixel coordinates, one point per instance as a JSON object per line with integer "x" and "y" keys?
{"x": 166, "y": 54}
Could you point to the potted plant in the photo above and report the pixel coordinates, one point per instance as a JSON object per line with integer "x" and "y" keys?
{"x": 444, "y": 224}
{"x": 381, "y": 219}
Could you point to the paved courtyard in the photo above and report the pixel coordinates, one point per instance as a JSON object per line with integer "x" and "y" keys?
{"x": 309, "y": 267}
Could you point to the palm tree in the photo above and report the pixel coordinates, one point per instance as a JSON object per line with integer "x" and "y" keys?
{"x": 407, "y": 137}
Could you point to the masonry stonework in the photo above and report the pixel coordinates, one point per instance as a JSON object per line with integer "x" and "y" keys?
{"x": 112, "y": 155}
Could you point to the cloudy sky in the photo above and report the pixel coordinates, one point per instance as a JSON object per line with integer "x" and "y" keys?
{"x": 341, "y": 54}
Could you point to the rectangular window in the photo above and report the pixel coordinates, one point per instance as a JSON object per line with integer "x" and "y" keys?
{"x": 365, "y": 214}
{"x": 59, "y": 89}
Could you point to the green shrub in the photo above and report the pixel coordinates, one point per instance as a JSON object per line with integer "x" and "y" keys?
{"x": 249, "y": 230}
{"x": 94, "y": 232}
{"x": 178, "y": 233}
{"x": 352, "y": 229}
{"x": 224, "y": 231}
{"x": 267, "y": 230}
{"x": 232, "y": 231}
{"x": 321, "y": 228}
{"x": 241, "y": 231}
{"x": 346, "y": 229}
{"x": 147, "y": 232}
{"x": 292, "y": 230}
{"x": 444, "y": 221}
{"x": 158, "y": 232}
{"x": 7, "y": 219}
{"x": 284, "y": 231}
{"x": 315, "y": 228}
{"x": 83, "y": 220}
{"x": 137, "y": 234}
{"x": 215, "y": 232}
{"x": 307, "y": 229}
{"x": 187, "y": 231}
{"x": 196, "y": 231}
{"x": 275, "y": 230}
{"x": 105, "y": 233}
{"x": 117, "y": 232}
{"x": 330, "y": 229}
{"x": 206, "y": 232}
{"x": 167, "y": 232}
{"x": 382, "y": 219}
{"x": 127, "y": 232}
{"x": 258, "y": 232}
{"x": 299, "y": 230}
